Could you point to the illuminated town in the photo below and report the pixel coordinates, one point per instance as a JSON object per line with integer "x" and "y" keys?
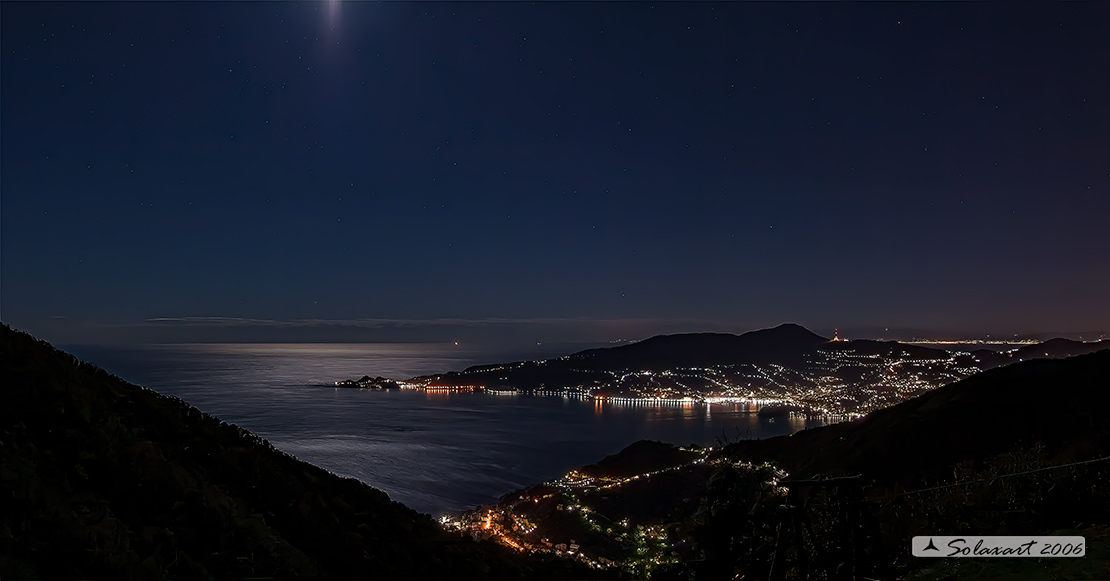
{"x": 832, "y": 383}
{"x": 613, "y": 517}
{"x": 563, "y": 508}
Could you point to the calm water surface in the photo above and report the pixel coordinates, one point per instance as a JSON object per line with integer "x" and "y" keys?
{"x": 434, "y": 452}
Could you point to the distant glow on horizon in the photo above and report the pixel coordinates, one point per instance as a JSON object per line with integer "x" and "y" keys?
{"x": 971, "y": 342}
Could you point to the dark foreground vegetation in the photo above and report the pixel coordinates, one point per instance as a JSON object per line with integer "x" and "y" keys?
{"x": 1018, "y": 450}
{"x": 100, "y": 478}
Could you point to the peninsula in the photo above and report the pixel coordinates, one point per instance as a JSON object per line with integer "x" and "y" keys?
{"x": 785, "y": 369}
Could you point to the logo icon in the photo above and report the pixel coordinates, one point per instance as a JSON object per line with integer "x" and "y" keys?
{"x": 998, "y": 546}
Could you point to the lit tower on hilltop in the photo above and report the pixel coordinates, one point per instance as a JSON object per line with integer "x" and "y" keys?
{"x": 836, "y": 335}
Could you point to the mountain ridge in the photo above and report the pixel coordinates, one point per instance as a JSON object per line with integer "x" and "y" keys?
{"x": 784, "y": 342}
{"x": 789, "y": 364}
{"x": 696, "y": 349}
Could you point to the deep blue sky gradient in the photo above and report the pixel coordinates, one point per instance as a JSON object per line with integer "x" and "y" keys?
{"x": 179, "y": 171}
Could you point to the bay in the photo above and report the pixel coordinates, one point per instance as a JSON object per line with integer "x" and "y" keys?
{"x": 434, "y": 452}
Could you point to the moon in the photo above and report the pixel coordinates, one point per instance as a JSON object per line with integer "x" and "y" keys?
{"x": 333, "y": 12}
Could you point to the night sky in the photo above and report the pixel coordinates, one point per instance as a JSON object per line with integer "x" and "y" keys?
{"x": 516, "y": 172}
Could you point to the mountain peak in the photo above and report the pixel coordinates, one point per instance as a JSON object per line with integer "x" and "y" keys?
{"x": 782, "y": 343}
{"x": 788, "y": 330}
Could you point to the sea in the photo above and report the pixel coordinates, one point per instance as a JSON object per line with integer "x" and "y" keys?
{"x": 435, "y": 452}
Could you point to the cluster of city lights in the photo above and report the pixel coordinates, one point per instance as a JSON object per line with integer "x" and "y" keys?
{"x": 834, "y": 383}
{"x": 504, "y": 525}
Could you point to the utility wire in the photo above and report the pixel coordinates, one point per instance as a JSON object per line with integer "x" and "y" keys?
{"x": 992, "y": 478}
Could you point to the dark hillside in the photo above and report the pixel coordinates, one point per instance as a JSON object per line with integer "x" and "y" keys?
{"x": 786, "y": 344}
{"x": 869, "y": 374}
{"x": 641, "y": 457}
{"x": 1059, "y": 347}
{"x": 782, "y": 344}
{"x": 104, "y": 479}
